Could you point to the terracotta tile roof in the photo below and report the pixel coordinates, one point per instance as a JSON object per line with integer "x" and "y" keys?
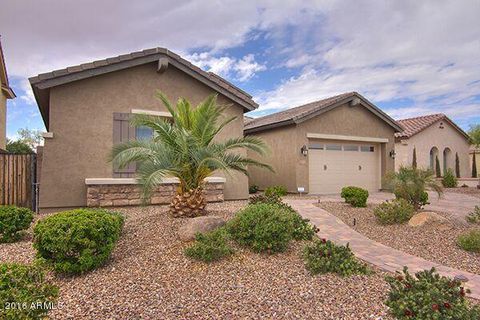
{"x": 295, "y": 115}
{"x": 412, "y": 126}
{"x": 44, "y": 81}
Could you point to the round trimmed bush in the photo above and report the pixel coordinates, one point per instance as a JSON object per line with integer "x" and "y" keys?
{"x": 355, "y": 196}
{"x": 23, "y": 288}
{"x": 263, "y": 227}
{"x": 395, "y": 211}
{"x": 470, "y": 241}
{"x": 77, "y": 240}
{"x": 12, "y": 220}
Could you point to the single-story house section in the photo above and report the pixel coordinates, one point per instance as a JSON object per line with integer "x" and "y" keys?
{"x": 432, "y": 136}
{"x": 86, "y": 110}
{"x": 325, "y": 145}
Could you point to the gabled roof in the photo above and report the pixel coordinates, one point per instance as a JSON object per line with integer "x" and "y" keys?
{"x": 5, "y": 87}
{"x": 302, "y": 113}
{"x": 418, "y": 124}
{"x": 43, "y": 82}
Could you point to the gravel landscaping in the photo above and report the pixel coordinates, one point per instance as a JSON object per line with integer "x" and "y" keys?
{"x": 474, "y": 192}
{"x": 149, "y": 277}
{"x": 436, "y": 243}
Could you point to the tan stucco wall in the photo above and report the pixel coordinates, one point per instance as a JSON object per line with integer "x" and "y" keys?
{"x": 81, "y": 119}
{"x": 3, "y": 120}
{"x": 434, "y": 136}
{"x": 285, "y": 143}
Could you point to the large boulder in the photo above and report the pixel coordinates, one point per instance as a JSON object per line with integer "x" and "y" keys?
{"x": 199, "y": 225}
{"x": 426, "y": 217}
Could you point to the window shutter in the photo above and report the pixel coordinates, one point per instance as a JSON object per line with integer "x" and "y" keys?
{"x": 123, "y": 132}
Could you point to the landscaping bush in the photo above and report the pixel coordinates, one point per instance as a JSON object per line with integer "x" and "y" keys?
{"x": 253, "y": 189}
{"x": 263, "y": 227}
{"x": 276, "y": 190}
{"x": 355, "y": 196}
{"x": 392, "y": 212}
{"x": 470, "y": 241}
{"x": 324, "y": 256}
{"x": 24, "y": 292}
{"x": 428, "y": 296}
{"x": 12, "y": 220}
{"x": 449, "y": 180}
{"x": 303, "y": 229}
{"x": 211, "y": 246}
{"x": 411, "y": 184}
{"x": 77, "y": 240}
{"x": 474, "y": 216}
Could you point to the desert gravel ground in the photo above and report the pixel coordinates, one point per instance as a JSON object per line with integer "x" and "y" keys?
{"x": 433, "y": 242}
{"x": 474, "y": 192}
{"x": 148, "y": 277}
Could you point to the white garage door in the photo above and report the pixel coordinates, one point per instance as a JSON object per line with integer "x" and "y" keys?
{"x": 334, "y": 165}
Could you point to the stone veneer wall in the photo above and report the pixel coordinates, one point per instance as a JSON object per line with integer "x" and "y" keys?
{"x": 108, "y": 195}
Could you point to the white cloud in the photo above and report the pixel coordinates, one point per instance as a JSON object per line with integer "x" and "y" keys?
{"x": 27, "y": 93}
{"x": 228, "y": 67}
{"x": 247, "y": 67}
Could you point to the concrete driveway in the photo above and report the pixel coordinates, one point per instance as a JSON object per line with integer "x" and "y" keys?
{"x": 457, "y": 204}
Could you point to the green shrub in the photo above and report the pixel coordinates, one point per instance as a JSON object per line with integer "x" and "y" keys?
{"x": 411, "y": 184}
{"x": 263, "y": 227}
{"x": 428, "y": 296}
{"x": 12, "y": 220}
{"x": 211, "y": 246}
{"x": 449, "y": 180}
{"x": 392, "y": 212}
{"x": 324, "y": 256}
{"x": 470, "y": 241}
{"x": 303, "y": 229}
{"x": 355, "y": 196}
{"x": 253, "y": 189}
{"x": 276, "y": 190}
{"x": 77, "y": 240}
{"x": 474, "y": 216}
{"x": 24, "y": 292}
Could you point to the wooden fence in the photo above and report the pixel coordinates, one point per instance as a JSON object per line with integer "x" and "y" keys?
{"x": 18, "y": 180}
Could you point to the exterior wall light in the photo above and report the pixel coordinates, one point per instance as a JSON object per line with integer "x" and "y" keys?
{"x": 304, "y": 150}
{"x": 392, "y": 154}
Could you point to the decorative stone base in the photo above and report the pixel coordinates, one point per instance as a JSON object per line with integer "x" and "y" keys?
{"x": 108, "y": 195}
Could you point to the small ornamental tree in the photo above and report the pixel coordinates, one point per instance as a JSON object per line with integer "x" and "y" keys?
{"x": 414, "y": 160}
{"x": 457, "y": 165}
{"x": 474, "y": 166}
{"x": 438, "y": 173}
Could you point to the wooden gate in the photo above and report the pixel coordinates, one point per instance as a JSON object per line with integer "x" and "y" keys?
{"x": 18, "y": 180}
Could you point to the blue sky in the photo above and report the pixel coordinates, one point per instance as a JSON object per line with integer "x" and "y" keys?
{"x": 408, "y": 57}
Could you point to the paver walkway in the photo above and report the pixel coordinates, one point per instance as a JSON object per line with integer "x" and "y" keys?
{"x": 458, "y": 205}
{"x": 371, "y": 251}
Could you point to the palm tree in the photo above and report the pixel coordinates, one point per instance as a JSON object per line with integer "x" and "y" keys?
{"x": 411, "y": 184}
{"x": 185, "y": 147}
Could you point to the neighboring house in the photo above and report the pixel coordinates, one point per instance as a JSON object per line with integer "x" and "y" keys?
{"x": 86, "y": 109}
{"x": 432, "y": 136}
{"x": 325, "y": 145}
{"x": 6, "y": 93}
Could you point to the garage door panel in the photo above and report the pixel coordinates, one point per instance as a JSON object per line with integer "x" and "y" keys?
{"x": 331, "y": 170}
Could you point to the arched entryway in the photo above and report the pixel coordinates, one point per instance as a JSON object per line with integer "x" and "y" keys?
{"x": 447, "y": 159}
{"x": 433, "y": 155}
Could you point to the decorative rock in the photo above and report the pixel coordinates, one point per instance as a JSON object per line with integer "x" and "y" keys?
{"x": 199, "y": 225}
{"x": 422, "y": 218}
{"x": 460, "y": 278}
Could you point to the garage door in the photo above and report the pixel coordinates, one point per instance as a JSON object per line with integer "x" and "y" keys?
{"x": 334, "y": 165}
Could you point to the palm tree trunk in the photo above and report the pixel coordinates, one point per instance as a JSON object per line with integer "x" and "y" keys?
{"x": 188, "y": 204}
